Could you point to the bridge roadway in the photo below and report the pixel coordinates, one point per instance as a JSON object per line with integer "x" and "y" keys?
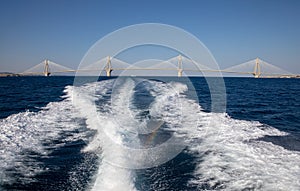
{"x": 120, "y": 69}
{"x": 255, "y": 68}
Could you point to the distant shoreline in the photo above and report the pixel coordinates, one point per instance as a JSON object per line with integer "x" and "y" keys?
{"x": 8, "y": 74}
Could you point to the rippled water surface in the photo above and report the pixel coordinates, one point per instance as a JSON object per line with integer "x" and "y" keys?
{"x": 98, "y": 135}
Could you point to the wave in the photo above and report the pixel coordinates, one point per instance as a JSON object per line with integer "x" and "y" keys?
{"x": 109, "y": 176}
{"x": 28, "y": 135}
{"x": 230, "y": 154}
{"x": 232, "y": 157}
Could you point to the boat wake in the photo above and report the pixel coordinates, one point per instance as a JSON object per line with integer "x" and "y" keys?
{"x": 141, "y": 124}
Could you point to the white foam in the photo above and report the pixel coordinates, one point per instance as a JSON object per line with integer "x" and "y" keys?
{"x": 233, "y": 157}
{"x": 29, "y": 133}
{"x": 117, "y": 142}
{"x": 230, "y": 155}
{"x": 110, "y": 135}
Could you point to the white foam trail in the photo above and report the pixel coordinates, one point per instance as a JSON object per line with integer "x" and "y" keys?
{"x": 230, "y": 155}
{"x": 177, "y": 111}
{"x": 123, "y": 111}
{"x": 234, "y": 158}
{"x": 31, "y": 133}
{"x": 110, "y": 135}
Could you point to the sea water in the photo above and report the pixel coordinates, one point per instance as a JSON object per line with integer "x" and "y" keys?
{"x": 55, "y": 135}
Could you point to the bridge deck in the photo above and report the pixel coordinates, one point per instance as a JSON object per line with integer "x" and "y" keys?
{"x": 47, "y": 67}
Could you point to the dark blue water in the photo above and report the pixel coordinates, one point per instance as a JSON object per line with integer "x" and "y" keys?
{"x": 30, "y": 93}
{"x": 44, "y": 137}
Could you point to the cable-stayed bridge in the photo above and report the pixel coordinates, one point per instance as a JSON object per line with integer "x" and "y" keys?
{"x": 176, "y": 65}
{"x": 46, "y": 68}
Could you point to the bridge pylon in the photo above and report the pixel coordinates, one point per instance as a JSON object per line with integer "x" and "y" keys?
{"x": 108, "y": 67}
{"x": 257, "y": 71}
{"x": 46, "y": 68}
{"x": 179, "y": 70}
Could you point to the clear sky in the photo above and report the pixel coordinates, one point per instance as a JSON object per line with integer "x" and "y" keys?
{"x": 235, "y": 31}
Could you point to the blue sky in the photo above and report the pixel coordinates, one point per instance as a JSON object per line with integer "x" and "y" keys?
{"x": 234, "y": 31}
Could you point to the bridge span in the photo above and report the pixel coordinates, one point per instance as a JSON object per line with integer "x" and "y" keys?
{"x": 179, "y": 64}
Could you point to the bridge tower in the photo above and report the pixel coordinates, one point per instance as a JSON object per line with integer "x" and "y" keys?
{"x": 46, "y": 68}
{"x": 179, "y": 66}
{"x": 257, "y": 71}
{"x": 108, "y": 67}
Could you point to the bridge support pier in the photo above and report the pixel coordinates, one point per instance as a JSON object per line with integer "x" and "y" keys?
{"x": 46, "y": 68}
{"x": 257, "y": 72}
{"x": 179, "y": 73}
{"x": 108, "y": 72}
{"x": 179, "y": 70}
{"x": 108, "y": 67}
